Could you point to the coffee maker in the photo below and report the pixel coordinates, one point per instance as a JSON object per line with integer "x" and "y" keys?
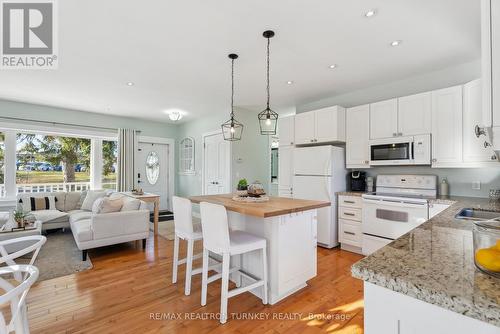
{"x": 357, "y": 180}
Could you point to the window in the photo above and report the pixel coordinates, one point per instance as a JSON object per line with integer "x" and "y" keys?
{"x": 2, "y": 165}
{"x": 109, "y": 167}
{"x": 186, "y": 156}
{"x": 52, "y": 163}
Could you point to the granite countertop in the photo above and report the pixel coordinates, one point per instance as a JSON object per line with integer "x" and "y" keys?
{"x": 434, "y": 263}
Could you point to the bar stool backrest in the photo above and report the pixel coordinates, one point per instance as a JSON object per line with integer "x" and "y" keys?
{"x": 215, "y": 227}
{"x": 183, "y": 218}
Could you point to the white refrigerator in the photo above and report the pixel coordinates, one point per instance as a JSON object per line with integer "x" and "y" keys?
{"x": 319, "y": 172}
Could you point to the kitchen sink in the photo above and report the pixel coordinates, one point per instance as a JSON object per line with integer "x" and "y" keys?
{"x": 474, "y": 214}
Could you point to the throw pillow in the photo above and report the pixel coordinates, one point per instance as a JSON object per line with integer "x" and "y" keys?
{"x": 106, "y": 205}
{"x": 130, "y": 204}
{"x": 91, "y": 197}
{"x": 32, "y": 203}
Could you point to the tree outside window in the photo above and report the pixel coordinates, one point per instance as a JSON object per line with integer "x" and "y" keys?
{"x": 109, "y": 167}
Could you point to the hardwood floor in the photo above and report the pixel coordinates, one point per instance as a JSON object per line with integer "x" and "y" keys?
{"x": 130, "y": 291}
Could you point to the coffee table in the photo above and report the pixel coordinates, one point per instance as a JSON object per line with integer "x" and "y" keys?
{"x": 18, "y": 233}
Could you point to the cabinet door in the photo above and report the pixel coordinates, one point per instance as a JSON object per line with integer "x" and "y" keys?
{"x": 304, "y": 128}
{"x": 286, "y": 130}
{"x": 330, "y": 125}
{"x": 474, "y": 150}
{"x": 414, "y": 114}
{"x": 357, "y": 136}
{"x": 384, "y": 119}
{"x": 447, "y": 126}
{"x": 285, "y": 169}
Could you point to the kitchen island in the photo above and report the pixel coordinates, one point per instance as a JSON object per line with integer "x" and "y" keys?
{"x": 426, "y": 280}
{"x": 290, "y": 228}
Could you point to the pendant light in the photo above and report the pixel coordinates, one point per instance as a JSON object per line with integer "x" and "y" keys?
{"x": 268, "y": 119}
{"x": 232, "y": 129}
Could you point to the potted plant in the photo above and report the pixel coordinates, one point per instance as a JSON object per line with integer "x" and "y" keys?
{"x": 19, "y": 216}
{"x": 242, "y": 185}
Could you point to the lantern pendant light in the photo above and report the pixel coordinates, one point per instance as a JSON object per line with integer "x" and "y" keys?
{"x": 268, "y": 119}
{"x": 232, "y": 129}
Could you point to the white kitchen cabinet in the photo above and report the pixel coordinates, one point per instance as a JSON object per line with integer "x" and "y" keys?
{"x": 304, "y": 128}
{"x": 286, "y": 130}
{"x": 391, "y": 312}
{"x": 357, "y": 137}
{"x": 447, "y": 127}
{"x": 350, "y": 212}
{"x": 384, "y": 119}
{"x": 320, "y": 126}
{"x": 414, "y": 114}
{"x": 285, "y": 171}
{"x": 435, "y": 209}
{"x": 474, "y": 148}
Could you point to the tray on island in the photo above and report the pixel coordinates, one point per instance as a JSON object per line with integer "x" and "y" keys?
{"x": 250, "y": 199}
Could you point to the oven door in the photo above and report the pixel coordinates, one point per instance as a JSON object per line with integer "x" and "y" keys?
{"x": 391, "y": 151}
{"x": 392, "y": 219}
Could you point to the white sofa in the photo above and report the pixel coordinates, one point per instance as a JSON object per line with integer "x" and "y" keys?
{"x": 93, "y": 230}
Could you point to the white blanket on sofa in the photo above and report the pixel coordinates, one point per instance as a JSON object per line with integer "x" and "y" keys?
{"x": 48, "y": 215}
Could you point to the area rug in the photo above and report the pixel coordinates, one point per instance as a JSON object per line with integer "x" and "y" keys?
{"x": 167, "y": 228}
{"x": 60, "y": 256}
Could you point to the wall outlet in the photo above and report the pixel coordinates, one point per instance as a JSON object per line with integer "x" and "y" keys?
{"x": 476, "y": 185}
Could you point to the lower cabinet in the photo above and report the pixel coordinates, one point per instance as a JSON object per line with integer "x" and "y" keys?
{"x": 349, "y": 223}
{"x": 389, "y": 312}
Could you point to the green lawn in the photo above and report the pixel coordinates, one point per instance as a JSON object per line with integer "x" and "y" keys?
{"x": 55, "y": 177}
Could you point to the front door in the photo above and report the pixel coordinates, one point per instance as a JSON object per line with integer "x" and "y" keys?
{"x": 216, "y": 165}
{"x": 152, "y": 170}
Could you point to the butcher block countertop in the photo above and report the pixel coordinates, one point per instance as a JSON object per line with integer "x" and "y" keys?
{"x": 276, "y": 206}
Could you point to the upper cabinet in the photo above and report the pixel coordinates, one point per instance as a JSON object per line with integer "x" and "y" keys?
{"x": 404, "y": 116}
{"x": 357, "y": 137}
{"x": 286, "y": 129}
{"x": 320, "y": 126}
{"x": 384, "y": 119}
{"x": 414, "y": 114}
{"x": 447, "y": 127}
{"x": 475, "y": 148}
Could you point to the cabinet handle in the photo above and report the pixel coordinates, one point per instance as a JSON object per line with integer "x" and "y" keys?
{"x": 349, "y": 214}
{"x": 366, "y": 162}
{"x": 291, "y": 143}
{"x": 434, "y": 160}
{"x": 400, "y": 134}
{"x": 493, "y": 157}
{"x": 350, "y": 202}
{"x": 394, "y": 134}
{"x": 351, "y": 233}
{"x": 312, "y": 140}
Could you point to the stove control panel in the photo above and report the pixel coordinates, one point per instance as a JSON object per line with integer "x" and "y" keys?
{"x": 407, "y": 181}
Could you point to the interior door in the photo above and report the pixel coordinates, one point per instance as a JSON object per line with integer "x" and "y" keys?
{"x": 152, "y": 170}
{"x": 216, "y": 165}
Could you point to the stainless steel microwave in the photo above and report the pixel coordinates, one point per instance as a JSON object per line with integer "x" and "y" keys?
{"x": 413, "y": 150}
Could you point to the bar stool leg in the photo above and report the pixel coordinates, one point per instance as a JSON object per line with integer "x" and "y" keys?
{"x": 189, "y": 266}
{"x": 204, "y": 278}
{"x": 239, "y": 277}
{"x": 176, "y": 259}
{"x": 225, "y": 286}
{"x": 264, "y": 274}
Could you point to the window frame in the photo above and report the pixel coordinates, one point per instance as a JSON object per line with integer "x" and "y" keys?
{"x": 182, "y": 157}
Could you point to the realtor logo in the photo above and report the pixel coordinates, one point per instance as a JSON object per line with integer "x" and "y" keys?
{"x": 28, "y": 34}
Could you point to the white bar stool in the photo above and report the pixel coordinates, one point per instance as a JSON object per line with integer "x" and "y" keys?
{"x": 183, "y": 220}
{"x": 218, "y": 239}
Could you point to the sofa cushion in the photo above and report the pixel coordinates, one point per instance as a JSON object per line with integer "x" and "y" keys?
{"x": 107, "y": 205}
{"x": 60, "y": 198}
{"x": 82, "y": 230}
{"x": 35, "y": 202}
{"x": 46, "y": 216}
{"x": 130, "y": 204}
{"x": 90, "y": 198}
{"x": 78, "y": 215}
{"x": 72, "y": 199}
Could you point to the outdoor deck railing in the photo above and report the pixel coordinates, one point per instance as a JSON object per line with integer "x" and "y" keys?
{"x": 53, "y": 187}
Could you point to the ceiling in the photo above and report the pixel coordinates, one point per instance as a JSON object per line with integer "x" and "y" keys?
{"x": 175, "y": 52}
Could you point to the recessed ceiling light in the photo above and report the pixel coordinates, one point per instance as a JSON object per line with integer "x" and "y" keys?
{"x": 332, "y": 66}
{"x": 130, "y": 83}
{"x": 396, "y": 43}
{"x": 370, "y": 13}
{"x": 289, "y": 82}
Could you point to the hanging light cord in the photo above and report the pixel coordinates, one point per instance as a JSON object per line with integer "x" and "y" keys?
{"x": 232, "y": 88}
{"x": 268, "y": 89}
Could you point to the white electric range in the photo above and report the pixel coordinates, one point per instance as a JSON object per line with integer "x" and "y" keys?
{"x": 399, "y": 204}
